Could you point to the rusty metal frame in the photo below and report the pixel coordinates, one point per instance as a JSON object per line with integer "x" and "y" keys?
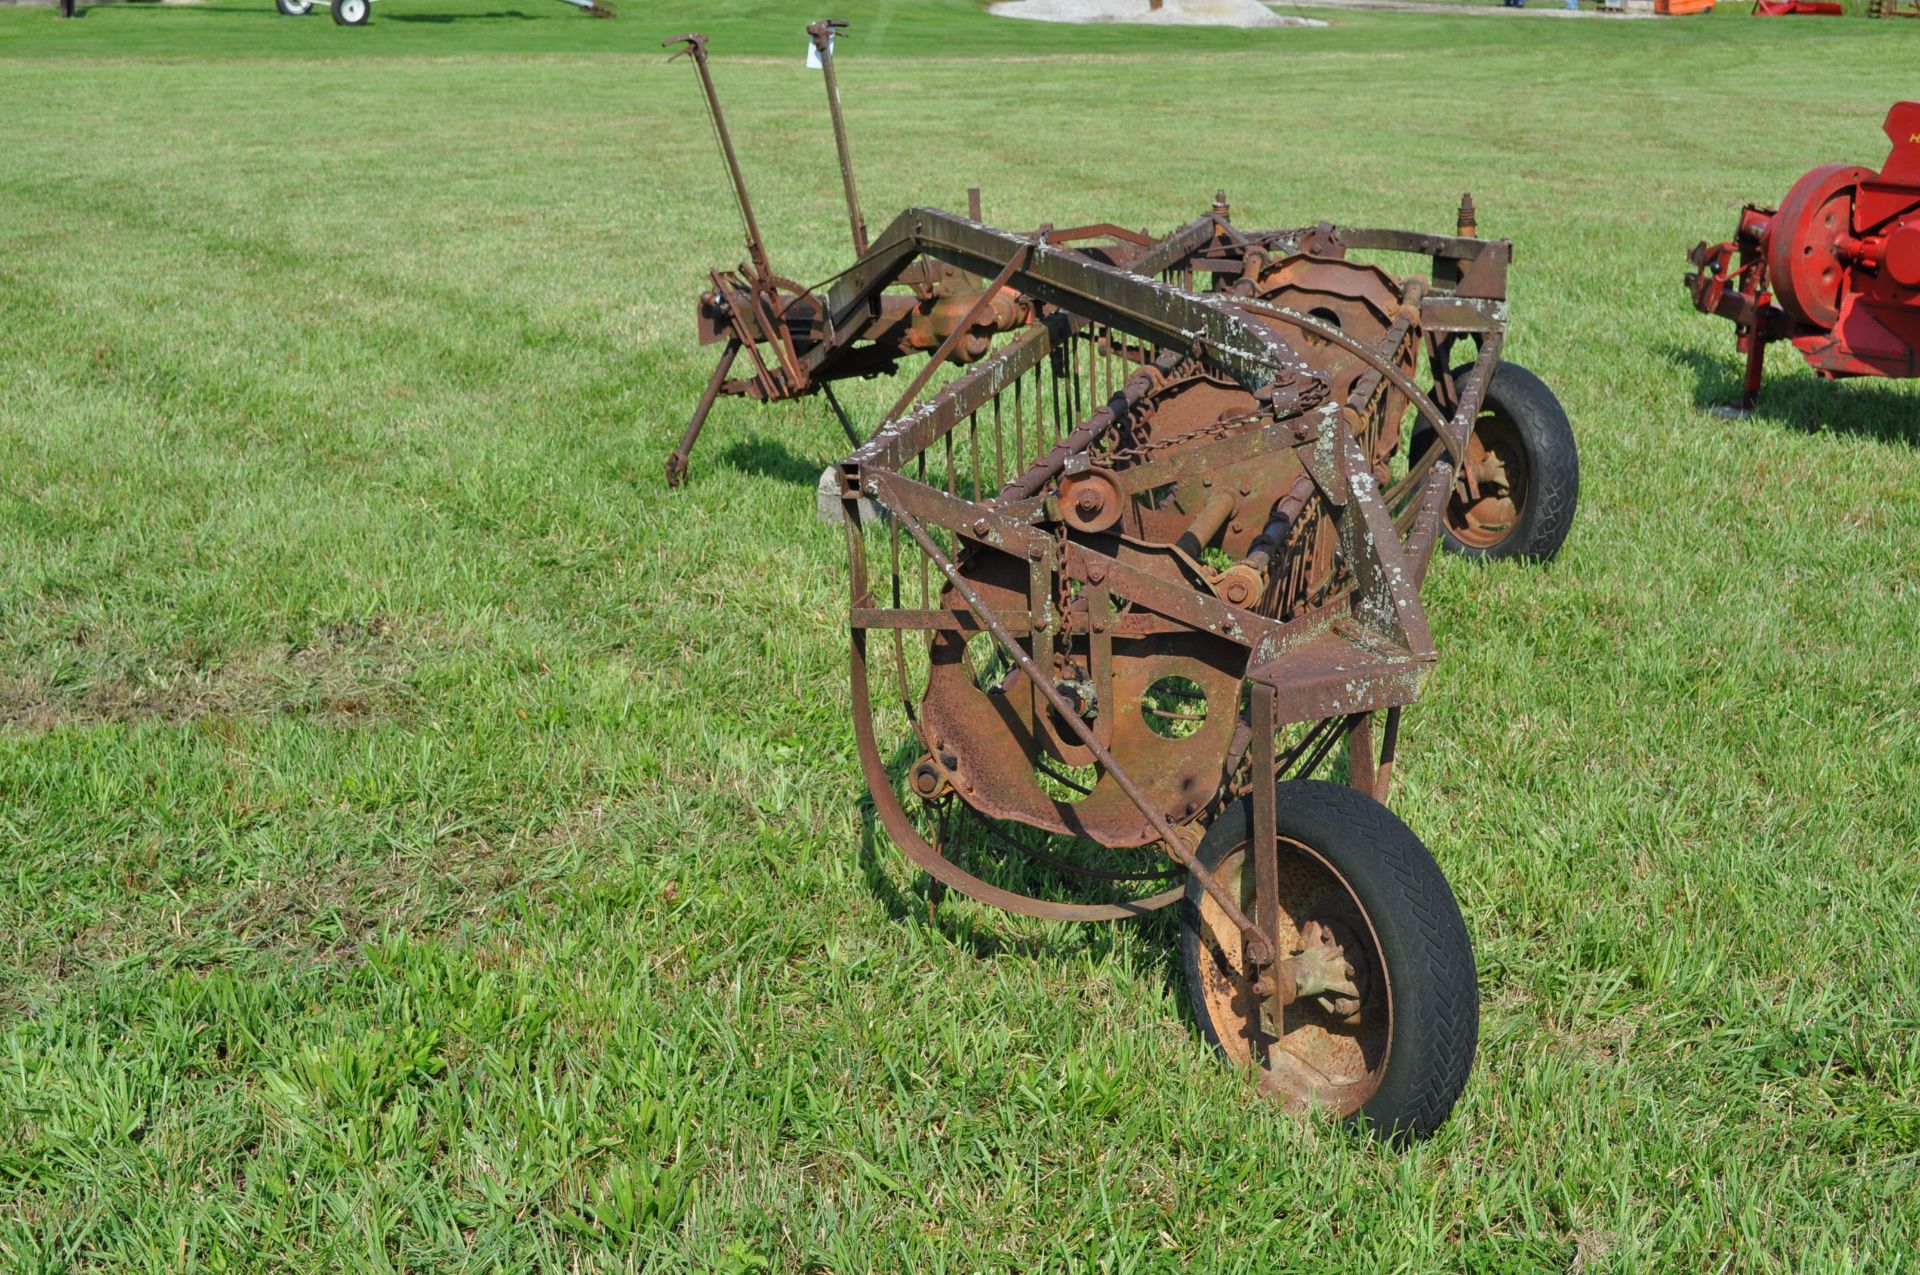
{"x": 1365, "y": 650}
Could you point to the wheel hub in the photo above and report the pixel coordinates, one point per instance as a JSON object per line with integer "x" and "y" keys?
{"x": 1491, "y": 495}
{"x": 1323, "y": 1038}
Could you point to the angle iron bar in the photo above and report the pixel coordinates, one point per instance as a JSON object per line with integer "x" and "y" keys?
{"x": 896, "y": 248}
{"x": 897, "y": 441}
{"x": 1128, "y": 300}
{"x": 1123, "y": 298}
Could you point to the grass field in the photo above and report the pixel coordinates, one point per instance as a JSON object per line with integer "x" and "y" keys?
{"x": 427, "y": 843}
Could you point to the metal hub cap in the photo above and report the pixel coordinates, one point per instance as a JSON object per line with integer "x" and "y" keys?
{"x": 1329, "y": 1047}
{"x": 1491, "y": 494}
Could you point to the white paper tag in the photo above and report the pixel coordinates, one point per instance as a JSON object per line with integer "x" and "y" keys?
{"x": 813, "y": 54}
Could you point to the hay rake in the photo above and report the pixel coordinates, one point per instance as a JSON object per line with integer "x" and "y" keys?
{"x": 1124, "y": 585}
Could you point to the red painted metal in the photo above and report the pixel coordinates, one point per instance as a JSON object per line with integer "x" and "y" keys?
{"x": 1801, "y": 8}
{"x": 1835, "y": 269}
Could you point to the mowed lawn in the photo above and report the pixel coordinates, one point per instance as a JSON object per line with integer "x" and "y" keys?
{"x": 428, "y": 843}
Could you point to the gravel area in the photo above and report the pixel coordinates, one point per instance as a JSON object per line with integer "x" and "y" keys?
{"x": 1216, "y": 13}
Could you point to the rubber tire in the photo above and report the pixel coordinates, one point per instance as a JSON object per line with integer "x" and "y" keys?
{"x": 338, "y": 9}
{"x": 294, "y": 8}
{"x": 1553, "y": 467}
{"x": 1436, "y": 991}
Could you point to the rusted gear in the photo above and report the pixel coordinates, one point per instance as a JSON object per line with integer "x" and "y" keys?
{"x": 1364, "y": 303}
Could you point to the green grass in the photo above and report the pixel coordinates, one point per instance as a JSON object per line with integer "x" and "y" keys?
{"x": 427, "y": 843}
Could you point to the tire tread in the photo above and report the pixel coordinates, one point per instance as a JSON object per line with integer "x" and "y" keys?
{"x": 1413, "y": 910}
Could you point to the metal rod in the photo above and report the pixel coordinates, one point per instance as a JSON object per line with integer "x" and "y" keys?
{"x": 853, "y": 435}
{"x": 1756, "y": 368}
{"x": 1266, "y": 841}
{"x": 1389, "y": 747}
{"x": 1206, "y": 524}
{"x": 1361, "y": 773}
{"x": 697, "y": 50}
{"x": 822, "y": 33}
{"x": 677, "y": 463}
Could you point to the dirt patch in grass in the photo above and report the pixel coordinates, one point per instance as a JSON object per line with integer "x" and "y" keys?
{"x": 334, "y": 906}
{"x": 320, "y": 911}
{"x": 350, "y": 672}
{"x": 1221, "y": 13}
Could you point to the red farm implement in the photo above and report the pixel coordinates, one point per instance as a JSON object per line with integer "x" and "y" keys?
{"x": 1835, "y": 269}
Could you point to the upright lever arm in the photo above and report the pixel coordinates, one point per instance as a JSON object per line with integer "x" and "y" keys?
{"x": 823, "y": 33}
{"x": 696, "y": 48}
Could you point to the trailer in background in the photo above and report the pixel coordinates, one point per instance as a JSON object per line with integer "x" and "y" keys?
{"x": 354, "y": 13}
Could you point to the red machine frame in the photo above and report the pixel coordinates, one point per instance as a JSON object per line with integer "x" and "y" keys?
{"x": 1835, "y": 269}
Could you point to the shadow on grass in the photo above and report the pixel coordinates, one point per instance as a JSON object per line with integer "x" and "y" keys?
{"x": 980, "y": 936}
{"x": 771, "y": 458}
{"x": 1864, "y": 407}
{"x": 442, "y": 18}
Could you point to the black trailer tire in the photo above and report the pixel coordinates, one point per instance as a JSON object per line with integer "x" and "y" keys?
{"x": 294, "y": 8}
{"x": 352, "y": 13}
{"x": 1528, "y": 509}
{"x": 1347, "y": 862}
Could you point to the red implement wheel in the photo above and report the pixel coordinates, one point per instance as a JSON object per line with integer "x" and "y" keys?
{"x": 1803, "y": 260}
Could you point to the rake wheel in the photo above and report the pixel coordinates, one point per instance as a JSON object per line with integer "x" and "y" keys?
{"x": 1386, "y": 1016}
{"x": 1517, "y": 488}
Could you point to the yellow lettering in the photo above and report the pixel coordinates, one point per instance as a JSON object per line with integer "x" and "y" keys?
{"x": 1913, "y": 137}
